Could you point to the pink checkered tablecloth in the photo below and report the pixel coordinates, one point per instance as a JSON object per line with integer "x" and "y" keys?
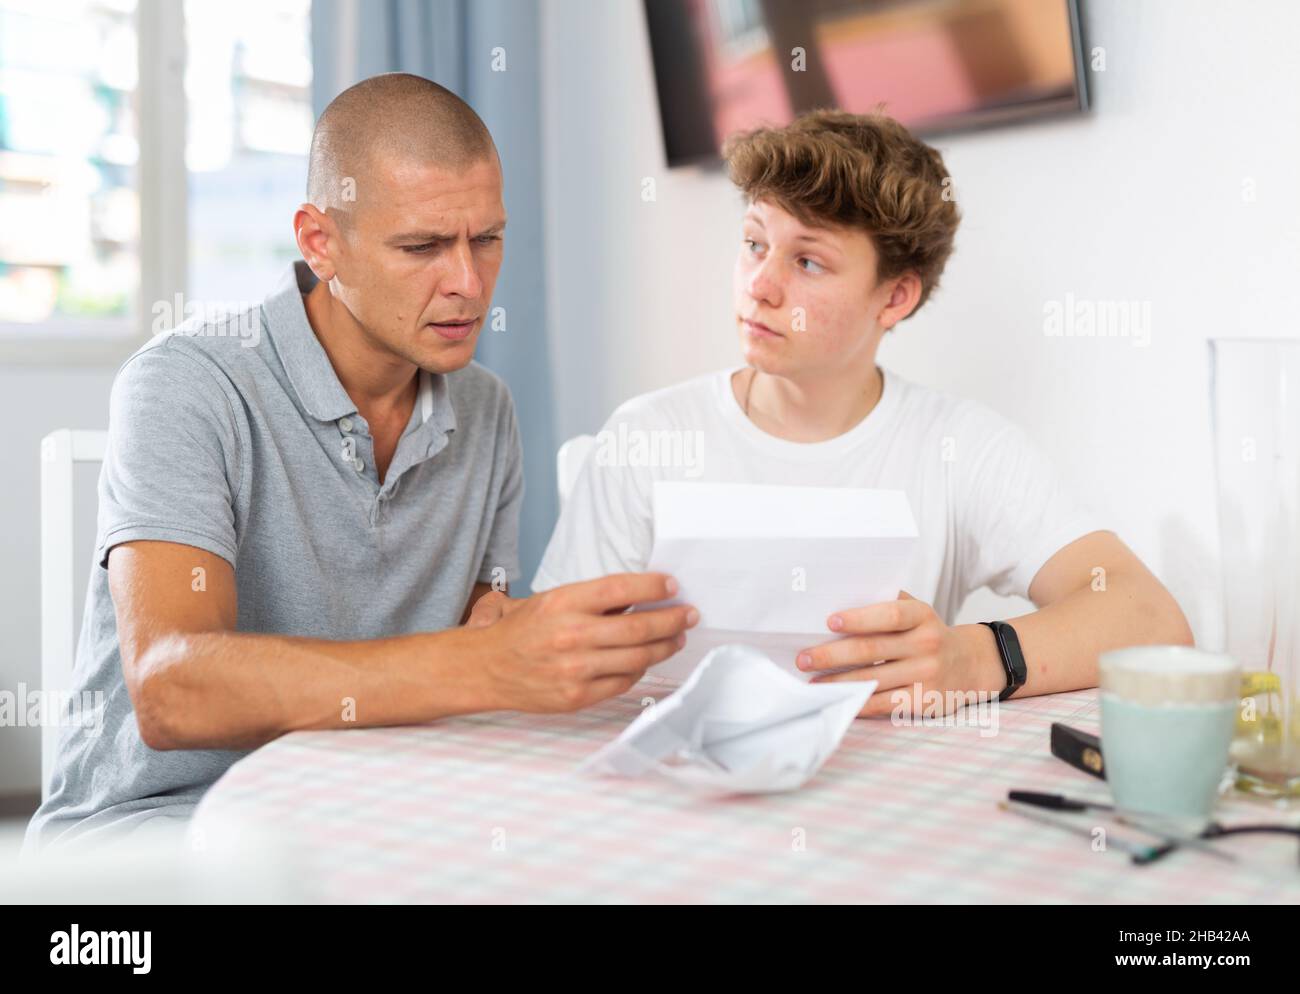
{"x": 487, "y": 808}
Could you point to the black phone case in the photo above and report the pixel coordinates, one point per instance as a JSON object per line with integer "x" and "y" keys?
{"x": 1081, "y": 750}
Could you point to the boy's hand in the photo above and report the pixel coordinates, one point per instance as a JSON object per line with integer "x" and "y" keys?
{"x": 905, "y": 644}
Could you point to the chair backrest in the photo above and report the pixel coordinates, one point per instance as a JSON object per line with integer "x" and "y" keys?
{"x": 61, "y": 451}
{"x": 569, "y": 462}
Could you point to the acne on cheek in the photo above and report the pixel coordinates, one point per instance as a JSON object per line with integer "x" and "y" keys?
{"x": 829, "y": 332}
{"x": 810, "y": 320}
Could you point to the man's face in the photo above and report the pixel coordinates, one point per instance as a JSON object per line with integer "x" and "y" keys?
{"x": 418, "y": 261}
{"x": 805, "y": 297}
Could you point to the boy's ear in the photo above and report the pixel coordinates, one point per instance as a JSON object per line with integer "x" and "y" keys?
{"x": 904, "y": 295}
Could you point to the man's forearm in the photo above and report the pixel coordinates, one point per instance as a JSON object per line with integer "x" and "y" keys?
{"x": 1061, "y": 641}
{"x": 233, "y": 690}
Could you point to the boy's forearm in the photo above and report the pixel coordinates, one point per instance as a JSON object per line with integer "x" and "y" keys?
{"x": 234, "y": 690}
{"x": 1062, "y": 641}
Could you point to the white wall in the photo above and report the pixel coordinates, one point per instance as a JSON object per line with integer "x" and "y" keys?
{"x": 1140, "y": 200}
{"x": 38, "y": 399}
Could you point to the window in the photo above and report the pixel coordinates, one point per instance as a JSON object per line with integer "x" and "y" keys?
{"x": 90, "y": 103}
{"x": 69, "y": 213}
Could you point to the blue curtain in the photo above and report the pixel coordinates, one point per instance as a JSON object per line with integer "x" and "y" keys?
{"x": 462, "y": 45}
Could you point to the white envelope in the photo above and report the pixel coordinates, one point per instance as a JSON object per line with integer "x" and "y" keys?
{"x": 737, "y": 725}
{"x": 767, "y": 565}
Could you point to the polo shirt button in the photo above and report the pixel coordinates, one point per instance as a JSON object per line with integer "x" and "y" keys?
{"x": 358, "y": 465}
{"x": 345, "y": 424}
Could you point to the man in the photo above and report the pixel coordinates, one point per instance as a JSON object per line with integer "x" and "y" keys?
{"x": 848, "y": 225}
{"x": 316, "y": 532}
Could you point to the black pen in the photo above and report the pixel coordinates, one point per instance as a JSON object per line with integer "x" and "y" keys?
{"x": 1139, "y": 852}
{"x": 1056, "y": 802}
{"x": 1059, "y": 802}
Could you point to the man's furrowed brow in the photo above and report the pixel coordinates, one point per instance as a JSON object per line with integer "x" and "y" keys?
{"x": 441, "y": 237}
{"x": 420, "y": 238}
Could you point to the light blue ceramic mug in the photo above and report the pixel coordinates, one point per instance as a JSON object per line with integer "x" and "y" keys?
{"x": 1167, "y": 719}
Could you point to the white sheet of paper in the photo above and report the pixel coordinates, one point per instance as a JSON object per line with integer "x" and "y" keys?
{"x": 739, "y": 724}
{"x": 767, "y": 565}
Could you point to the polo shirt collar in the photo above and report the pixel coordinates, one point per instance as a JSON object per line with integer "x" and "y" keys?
{"x": 309, "y": 368}
{"x": 433, "y": 407}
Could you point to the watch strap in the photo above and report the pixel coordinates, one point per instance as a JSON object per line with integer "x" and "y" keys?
{"x": 1013, "y": 659}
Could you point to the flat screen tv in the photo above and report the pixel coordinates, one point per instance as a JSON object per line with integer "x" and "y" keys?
{"x": 937, "y": 65}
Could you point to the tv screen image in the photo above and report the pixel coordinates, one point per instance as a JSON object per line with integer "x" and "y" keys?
{"x": 723, "y": 66}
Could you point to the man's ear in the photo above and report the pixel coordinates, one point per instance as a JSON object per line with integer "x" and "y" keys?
{"x": 904, "y": 295}
{"x": 317, "y": 236}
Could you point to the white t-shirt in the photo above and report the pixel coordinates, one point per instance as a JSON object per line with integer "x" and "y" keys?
{"x": 989, "y": 507}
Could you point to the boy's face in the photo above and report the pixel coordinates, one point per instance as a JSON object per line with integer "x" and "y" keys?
{"x": 806, "y": 298}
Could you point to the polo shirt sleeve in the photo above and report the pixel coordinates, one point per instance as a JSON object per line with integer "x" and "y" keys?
{"x": 172, "y": 464}
{"x": 1014, "y": 510}
{"x": 503, "y": 541}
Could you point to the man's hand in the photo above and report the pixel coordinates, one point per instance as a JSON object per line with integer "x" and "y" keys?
{"x": 904, "y": 643}
{"x": 573, "y": 646}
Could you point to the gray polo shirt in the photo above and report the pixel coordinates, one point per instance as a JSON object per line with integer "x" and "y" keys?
{"x": 236, "y": 437}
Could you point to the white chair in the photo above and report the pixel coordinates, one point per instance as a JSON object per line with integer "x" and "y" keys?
{"x": 61, "y": 451}
{"x": 569, "y": 462}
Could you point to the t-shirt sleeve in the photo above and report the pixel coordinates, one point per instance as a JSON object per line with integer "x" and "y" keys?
{"x": 172, "y": 466}
{"x": 607, "y": 523}
{"x": 502, "y": 552}
{"x": 1014, "y": 512}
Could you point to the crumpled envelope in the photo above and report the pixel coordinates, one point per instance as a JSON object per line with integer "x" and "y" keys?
{"x": 739, "y": 724}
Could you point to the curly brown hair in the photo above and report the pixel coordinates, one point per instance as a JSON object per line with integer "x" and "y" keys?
{"x": 831, "y": 168}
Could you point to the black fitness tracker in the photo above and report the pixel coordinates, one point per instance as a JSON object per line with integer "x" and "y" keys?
{"x": 1013, "y": 660}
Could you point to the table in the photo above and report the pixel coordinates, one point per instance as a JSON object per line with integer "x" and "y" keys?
{"x": 486, "y": 808}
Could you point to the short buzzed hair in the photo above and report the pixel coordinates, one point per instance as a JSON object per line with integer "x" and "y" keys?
{"x": 391, "y": 115}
